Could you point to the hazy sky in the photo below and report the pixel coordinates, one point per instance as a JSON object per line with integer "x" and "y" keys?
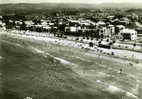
{"x": 71, "y": 1}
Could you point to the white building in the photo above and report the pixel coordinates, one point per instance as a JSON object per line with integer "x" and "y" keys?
{"x": 2, "y": 25}
{"x": 29, "y": 23}
{"x": 120, "y": 27}
{"x": 0, "y": 17}
{"x": 129, "y": 34}
{"x": 43, "y": 22}
{"x": 110, "y": 17}
{"x": 73, "y": 29}
{"x": 101, "y": 23}
{"x": 107, "y": 31}
{"x": 111, "y": 29}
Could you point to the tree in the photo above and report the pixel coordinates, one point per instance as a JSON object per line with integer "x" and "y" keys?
{"x": 110, "y": 44}
{"x": 90, "y": 44}
{"x": 134, "y": 45}
{"x": 107, "y": 40}
{"x": 23, "y": 26}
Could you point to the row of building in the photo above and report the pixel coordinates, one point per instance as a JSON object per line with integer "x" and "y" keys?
{"x": 78, "y": 27}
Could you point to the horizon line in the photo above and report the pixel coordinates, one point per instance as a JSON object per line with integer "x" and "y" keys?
{"x": 74, "y": 3}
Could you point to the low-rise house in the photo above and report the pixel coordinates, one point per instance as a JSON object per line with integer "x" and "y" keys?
{"x": 73, "y": 29}
{"x": 128, "y": 34}
{"x": 46, "y": 28}
{"x": 18, "y": 22}
{"x": 44, "y": 22}
{"x": 0, "y": 17}
{"x": 124, "y": 21}
{"x": 139, "y": 32}
{"x": 135, "y": 16}
{"x": 101, "y": 24}
{"x": 2, "y": 25}
{"x": 110, "y": 17}
{"x": 29, "y": 23}
{"x": 93, "y": 23}
{"x": 51, "y": 24}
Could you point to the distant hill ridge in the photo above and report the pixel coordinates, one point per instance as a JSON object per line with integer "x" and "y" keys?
{"x": 41, "y": 7}
{"x": 76, "y": 5}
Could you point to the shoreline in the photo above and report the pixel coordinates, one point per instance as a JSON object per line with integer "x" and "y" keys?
{"x": 95, "y": 50}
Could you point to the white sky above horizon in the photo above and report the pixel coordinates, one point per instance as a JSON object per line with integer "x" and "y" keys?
{"x": 71, "y": 1}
